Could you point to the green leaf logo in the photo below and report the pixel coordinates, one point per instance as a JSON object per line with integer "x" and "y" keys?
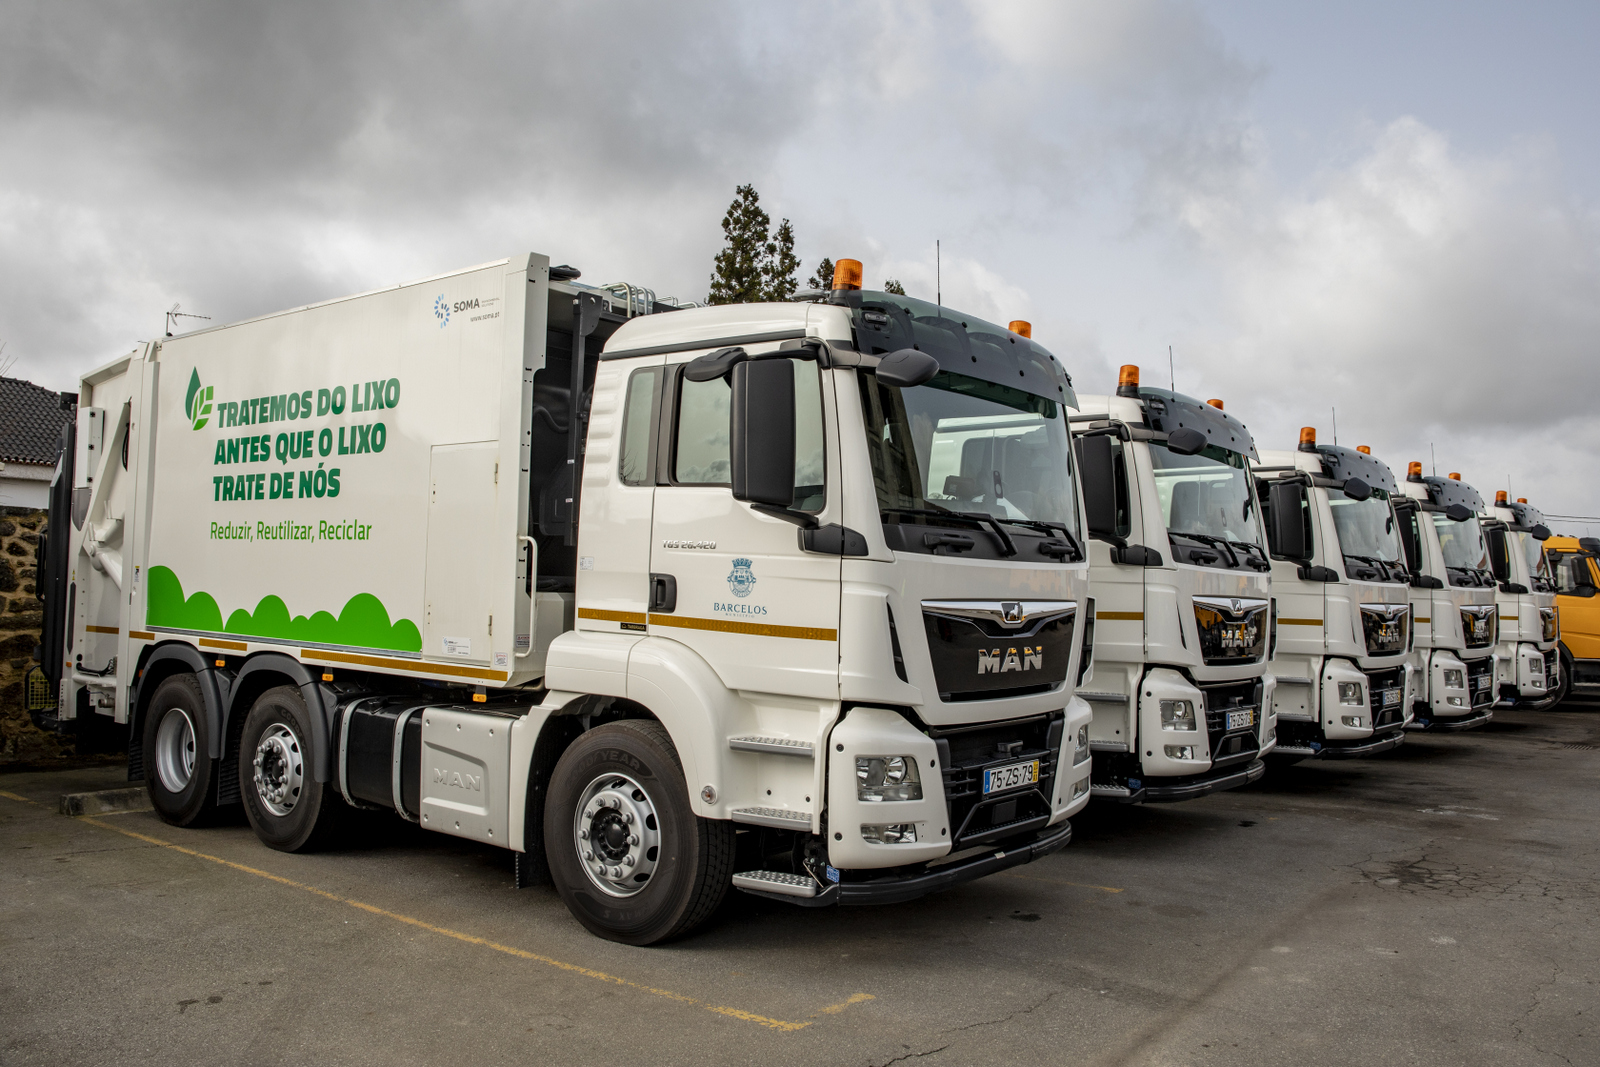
{"x": 197, "y": 402}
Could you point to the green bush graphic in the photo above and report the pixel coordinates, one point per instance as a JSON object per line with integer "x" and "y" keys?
{"x": 362, "y": 623}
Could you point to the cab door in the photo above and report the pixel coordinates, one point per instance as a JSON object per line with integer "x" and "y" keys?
{"x": 1576, "y": 581}
{"x": 728, "y": 580}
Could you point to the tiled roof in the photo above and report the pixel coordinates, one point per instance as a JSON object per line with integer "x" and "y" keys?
{"x": 31, "y": 418}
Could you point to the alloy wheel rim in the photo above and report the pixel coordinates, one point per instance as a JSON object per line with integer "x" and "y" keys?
{"x": 279, "y": 769}
{"x": 175, "y": 750}
{"x": 617, "y": 834}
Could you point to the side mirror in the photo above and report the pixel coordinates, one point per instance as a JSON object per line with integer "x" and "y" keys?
{"x": 1096, "y": 472}
{"x": 1540, "y": 532}
{"x": 1186, "y": 441}
{"x": 1457, "y": 513}
{"x": 1356, "y": 489}
{"x": 1499, "y": 557}
{"x": 1287, "y": 531}
{"x": 761, "y": 432}
{"x": 906, "y": 368}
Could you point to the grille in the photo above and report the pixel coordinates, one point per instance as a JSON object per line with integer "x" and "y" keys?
{"x": 1480, "y": 681}
{"x": 1232, "y": 630}
{"x": 1477, "y": 624}
{"x": 965, "y": 752}
{"x": 1387, "y": 629}
{"x": 977, "y": 659}
{"x": 1389, "y": 683}
{"x": 1240, "y": 744}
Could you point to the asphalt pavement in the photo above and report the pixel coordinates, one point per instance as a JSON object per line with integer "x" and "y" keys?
{"x": 1434, "y": 905}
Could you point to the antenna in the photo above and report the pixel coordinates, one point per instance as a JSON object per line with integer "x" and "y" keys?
{"x": 6, "y": 364}
{"x": 938, "y": 276}
{"x": 1433, "y": 458}
{"x": 1335, "y": 424}
{"x": 176, "y": 314}
{"x": 1171, "y": 374}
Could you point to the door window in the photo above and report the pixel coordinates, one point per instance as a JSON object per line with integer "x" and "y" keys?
{"x": 638, "y": 461}
{"x": 700, "y": 453}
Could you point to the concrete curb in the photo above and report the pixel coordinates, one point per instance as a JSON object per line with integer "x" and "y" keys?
{"x": 133, "y": 798}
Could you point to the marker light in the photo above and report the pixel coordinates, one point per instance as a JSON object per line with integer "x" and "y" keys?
{"x": 847, "y": 274}
{"x": 1522, "y": 500}
{"x": 1214, "y": 402}
{"x": 1128, "y": 380}
{"x": 1455, "y": 476}
{"x": 1364, "y": 450}
{"x": 1414, "y": 470}
{"x": 1308, "y": 438}
{"x": 1021, "y": 327}
{"x": 1500, "y": 497}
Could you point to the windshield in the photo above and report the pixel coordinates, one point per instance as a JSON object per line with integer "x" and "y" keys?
{"x": 960, "y": 444}
{"x": 1366, "y": 528}
{"x": 1206, "y": 495}
{"x": 1533, "y": 553}
{"x": 1462, "y": 543}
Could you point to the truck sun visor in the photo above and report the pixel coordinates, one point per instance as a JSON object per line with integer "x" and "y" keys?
{"x": 1168, "y": 411}
{"x": 1447, "y": 491}
{"x": 1341, "y": 464}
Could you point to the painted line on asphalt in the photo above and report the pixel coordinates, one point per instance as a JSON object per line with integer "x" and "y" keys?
{"x": 470, "y": 939}
{"x": 854, "y": 998}
{"x": 1059, "y": 881}
{"x": 13, "y": 796}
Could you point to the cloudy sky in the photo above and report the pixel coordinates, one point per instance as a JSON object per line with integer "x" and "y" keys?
{"x": 1388, "y": 209}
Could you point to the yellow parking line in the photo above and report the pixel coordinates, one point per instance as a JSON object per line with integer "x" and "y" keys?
{"x": 1060, "y": 881}
{"x": 835, "y": 1009}
{"x": 573, "y": 968}
{"x": 13, "y": 796}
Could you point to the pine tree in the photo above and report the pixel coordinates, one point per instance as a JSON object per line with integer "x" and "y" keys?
{"x": 893, "y": 286}
{"x": 781, "y": 264}
{"x": 740, "y": 274}
{"x": 823, "y": 278}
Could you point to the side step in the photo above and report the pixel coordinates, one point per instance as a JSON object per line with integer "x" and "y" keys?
{"x": 781, "y": 818}
{"x": 773, "y": 746}
{"x": 786, "y": 885}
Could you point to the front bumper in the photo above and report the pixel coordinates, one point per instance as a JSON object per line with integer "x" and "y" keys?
{"x": 1188, "y": 787}
{"x": 1370, "y": 746}
{"x": 1464, "y": 722}
{"x": 928, "y": 878}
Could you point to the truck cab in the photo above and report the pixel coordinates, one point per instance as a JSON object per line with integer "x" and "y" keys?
{"x": 1574, "y": 564}
{"x": 1452, "y": 602}
{"x": 1339, "y": 578}
{"x": 1184, "y": 625}
{"x": 1527, "y": 663}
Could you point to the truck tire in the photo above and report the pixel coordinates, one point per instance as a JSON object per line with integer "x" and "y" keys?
{"x": 627, "y": 853}
{"x": 1563, "y": 677}
{"x": 179, "y": 773}
{"x": 288, "y": 808}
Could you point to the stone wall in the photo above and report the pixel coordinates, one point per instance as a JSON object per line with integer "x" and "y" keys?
{"x": 21, "y": 617}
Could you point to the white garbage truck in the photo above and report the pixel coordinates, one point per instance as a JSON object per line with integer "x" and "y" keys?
{"x": 1527, "y": 665}
{"x": 1452, "y": 602}
{"x": 790, "y": 597}
{"x": 1339, "y": 578}
{"x": 1184, "y": 625}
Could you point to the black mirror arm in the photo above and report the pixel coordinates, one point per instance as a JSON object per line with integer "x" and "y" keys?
{"x": 799, "y": 518}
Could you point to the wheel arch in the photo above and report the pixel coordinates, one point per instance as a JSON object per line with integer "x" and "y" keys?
{"x": 160, "y": 663}
{"x": 268, "y": 670}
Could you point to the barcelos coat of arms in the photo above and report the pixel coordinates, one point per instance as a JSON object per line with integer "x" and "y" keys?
{"x": 740, "y": 580}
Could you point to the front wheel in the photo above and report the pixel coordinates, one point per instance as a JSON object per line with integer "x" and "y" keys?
{"x": 1563, "y": 677}
{"x": 627, "y": 853}
{"x": 179, "y": 773}
{"x": 288, "y": 808}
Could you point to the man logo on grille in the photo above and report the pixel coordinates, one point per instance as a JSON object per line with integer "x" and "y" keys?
{"x": 992, "y": 662}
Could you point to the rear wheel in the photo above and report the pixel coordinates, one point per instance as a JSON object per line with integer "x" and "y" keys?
{"x": 631, "y": 860}
{"x": 1563, "y": 677}
{"x": 288, "y": 808}
{"x": 179, "y": 773}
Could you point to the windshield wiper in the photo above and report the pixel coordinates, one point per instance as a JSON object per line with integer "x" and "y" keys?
{"x": 1052, "y": 527}
{"x": 1007, "y": 548}
{"x": 1473, "y": 572}
{"x": 1266, "y": 564}
{"x": 1209, "y": 539}
{"x": 1383, "y": 565}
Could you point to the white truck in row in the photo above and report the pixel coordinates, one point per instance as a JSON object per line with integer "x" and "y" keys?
{"x": 790, "y": 597}
{"x": 1181, "y": 689}
{"x": 1527, "y": 666}
{"x": 1339, "y": 578}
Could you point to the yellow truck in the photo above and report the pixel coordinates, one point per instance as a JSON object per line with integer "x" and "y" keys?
{"x": 1573, "y": 563}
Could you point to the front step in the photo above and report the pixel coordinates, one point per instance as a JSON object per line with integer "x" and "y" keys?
{"x": 788, "y": 885}
{"x": 772, "y": 746}
{"x": 781, "y": 818}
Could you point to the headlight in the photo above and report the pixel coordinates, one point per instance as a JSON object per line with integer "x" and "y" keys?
{"x": 1454, "y": 680}
{"x": 1353, "y": 721}
{"x": 1177, "y": 715}
{"x": 892, "y": 833}
{"x": 887, "y": 778}
{"x": 1180, "y": 751}
{"x": 1350, "y": 693}
{"x": 1080, "y": 751}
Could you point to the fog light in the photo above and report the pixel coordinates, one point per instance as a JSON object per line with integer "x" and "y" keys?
{"x": 1177, "y": 715}
{"x": 890, "y": 833}
{"x": 881, "y": 778}
{"x": 1180, "y": 751}
{"x": 1079, "y": 788}
{"x": 1454, "y": 702}
{"x": 1353, "y": 721}
{"x": 1454, "y": 680}
{"x": 1080, "y": 751}
{"x": 1350, "y": 693}
{"x": 1272, "y": 733}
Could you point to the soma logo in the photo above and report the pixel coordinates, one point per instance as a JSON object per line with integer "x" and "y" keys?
{"x": 197, "y": 402}
{"x": 992, "y": 662}
{"x": 473, "y": 782}
{"x": 443, "y": 309}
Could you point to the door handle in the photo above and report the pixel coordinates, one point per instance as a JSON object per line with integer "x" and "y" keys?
{"x": 663, "y": 593}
